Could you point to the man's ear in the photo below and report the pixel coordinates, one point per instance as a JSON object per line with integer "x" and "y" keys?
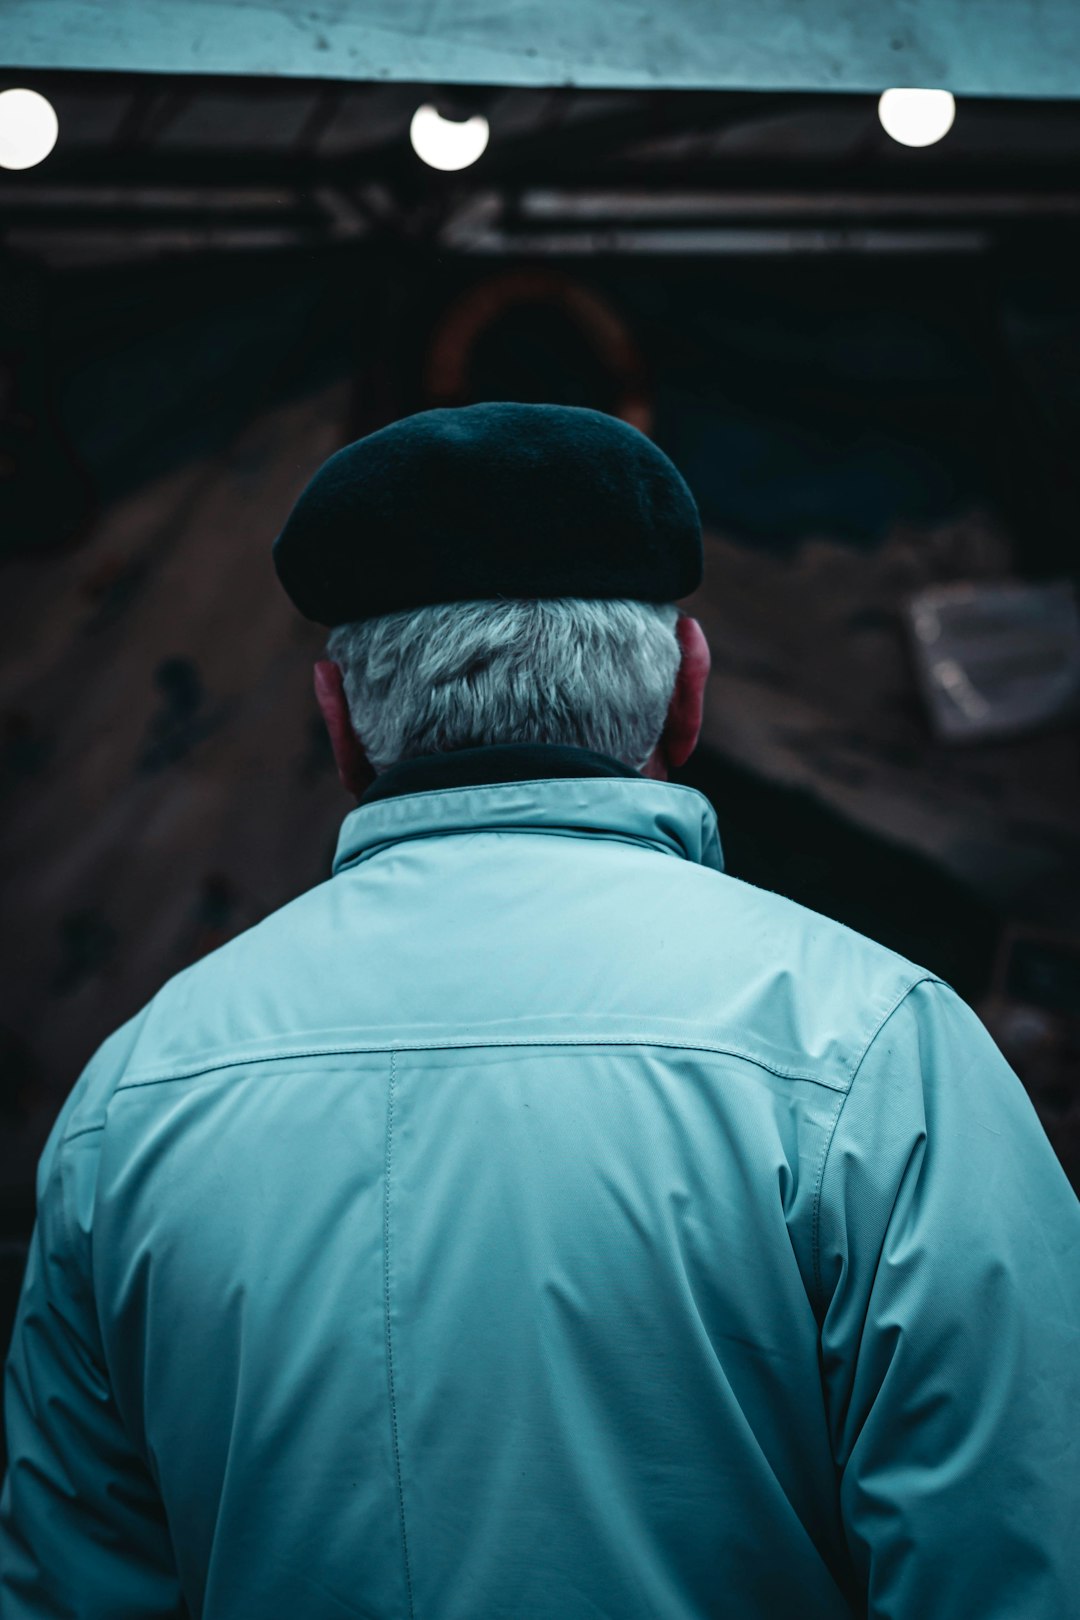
{"x": 354, "y": 768}
{"x": 685, "y": 712}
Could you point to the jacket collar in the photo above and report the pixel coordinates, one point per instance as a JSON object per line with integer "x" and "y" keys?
{"x": 570, "y": 791}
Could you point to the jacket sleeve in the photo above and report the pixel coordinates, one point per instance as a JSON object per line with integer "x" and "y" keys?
{"x": 82, "y": 1531}
{"x": 949, "y": 1264}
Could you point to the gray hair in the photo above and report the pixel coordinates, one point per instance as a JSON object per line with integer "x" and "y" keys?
{"x": 592, "y": 674}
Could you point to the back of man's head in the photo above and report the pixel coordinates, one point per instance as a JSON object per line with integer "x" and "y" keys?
{"x": 594, "y": 674}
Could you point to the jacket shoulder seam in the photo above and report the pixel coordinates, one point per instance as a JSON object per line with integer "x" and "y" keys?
{"x": 287, "y": 1055}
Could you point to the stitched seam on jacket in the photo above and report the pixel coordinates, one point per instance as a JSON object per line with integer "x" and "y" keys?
{"x": 389, "y": 1344}
{"x": 465, "y": 1043}
{"x": 815, "y": 1244}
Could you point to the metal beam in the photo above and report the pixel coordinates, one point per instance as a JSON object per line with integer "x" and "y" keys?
{"x": 739, "y": 241}
{"x": 597, "y": 207}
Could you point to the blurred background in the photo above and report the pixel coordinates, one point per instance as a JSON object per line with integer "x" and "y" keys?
{"x": 863, "y": 353}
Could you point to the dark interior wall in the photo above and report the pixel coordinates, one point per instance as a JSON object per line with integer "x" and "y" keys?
{"x": 801, "y": 395}
{"x": 154, "y": 366}
{"x": 823, "y": 394}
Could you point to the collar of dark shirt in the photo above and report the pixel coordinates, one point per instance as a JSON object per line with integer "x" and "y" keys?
{"x": 502, "y": 762}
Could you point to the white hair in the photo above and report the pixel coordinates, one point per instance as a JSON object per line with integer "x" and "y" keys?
{"x": 592, "y": 674}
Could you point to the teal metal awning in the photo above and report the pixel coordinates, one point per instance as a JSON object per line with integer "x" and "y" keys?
{"x": 1011, "y": 48}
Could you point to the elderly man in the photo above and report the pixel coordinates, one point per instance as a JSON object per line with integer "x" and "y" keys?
{"x": 532, "y": 1221}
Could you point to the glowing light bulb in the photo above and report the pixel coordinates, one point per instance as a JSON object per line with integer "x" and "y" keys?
{"x": 28, "y": 128}
{"x": 443, "y": 143}
{"x": 917, "y": 117}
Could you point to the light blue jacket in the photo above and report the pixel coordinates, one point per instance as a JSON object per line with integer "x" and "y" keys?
{"x": 532, "y": 1222}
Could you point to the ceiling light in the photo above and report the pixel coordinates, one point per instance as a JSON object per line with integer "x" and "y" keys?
{"x": 917, "y": 117}
{"x": 28, "y": 128}
{"x": 444, "y": 143}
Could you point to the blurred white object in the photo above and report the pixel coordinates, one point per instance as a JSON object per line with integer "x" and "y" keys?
{"x": 444, "y": 143}
{"x": 994, "y": 659}
{"x": 28, "y": 128}
{"x": 917, "y": 117}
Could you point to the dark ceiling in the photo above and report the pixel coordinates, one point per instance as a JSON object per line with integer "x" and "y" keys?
{"x": 149, "y": 166}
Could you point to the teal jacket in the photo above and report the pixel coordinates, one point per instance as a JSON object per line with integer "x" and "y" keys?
{"x": 533, "y": 1222}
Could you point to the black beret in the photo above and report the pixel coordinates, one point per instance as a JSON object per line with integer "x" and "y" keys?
{"x": 492, "y": 500}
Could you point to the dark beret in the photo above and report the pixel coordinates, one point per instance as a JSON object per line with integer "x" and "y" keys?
{"x": 491, "y": 500}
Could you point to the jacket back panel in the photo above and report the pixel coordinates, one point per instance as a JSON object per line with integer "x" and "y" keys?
{"x": 454, "y": 1240}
